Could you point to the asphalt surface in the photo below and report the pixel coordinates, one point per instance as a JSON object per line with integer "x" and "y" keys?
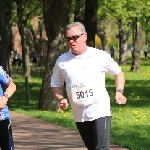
{"x": 34, "y": 134}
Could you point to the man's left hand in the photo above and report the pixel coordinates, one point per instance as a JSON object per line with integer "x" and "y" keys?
{"x": 120, "y": 98}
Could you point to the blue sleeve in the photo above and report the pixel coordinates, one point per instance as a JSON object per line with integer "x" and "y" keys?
{"x": 4, "y": 78}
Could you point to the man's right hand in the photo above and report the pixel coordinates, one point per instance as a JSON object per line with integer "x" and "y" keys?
{"x": 63, "y": 104}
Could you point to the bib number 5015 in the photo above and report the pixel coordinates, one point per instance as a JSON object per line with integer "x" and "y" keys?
{"x": 84, "y": 94}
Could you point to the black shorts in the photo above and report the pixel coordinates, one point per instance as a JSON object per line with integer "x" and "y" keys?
{"x": 16, "y": 60}
{"x": 34, "y": 60}
{"x": 95, "y": 134}
{"x": 6, "y": 139}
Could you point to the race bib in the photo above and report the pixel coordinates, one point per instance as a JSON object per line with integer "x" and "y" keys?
{"x": 83, "y": 94}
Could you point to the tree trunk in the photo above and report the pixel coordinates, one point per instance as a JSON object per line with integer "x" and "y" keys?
{"x": 120, "y": 40}
{"x": 27, "y": 73}
{"x": 123, "y": 46}
{"x": 4, "y": 49}
{"x": 24, "y": 33}
{"x": 56, "y": 18}
{"x": 41, "y": 57}
{"x": 79, "y": 12}
{"x": 37, "y": 46}
{"x": 90, "y": 20}
{"x": 138, "y": 46}
{"x": 8, "y": 15}
{"x": 146, "y": 37}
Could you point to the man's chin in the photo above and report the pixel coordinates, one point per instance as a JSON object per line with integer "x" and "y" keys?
{"x": 74, "y": 51}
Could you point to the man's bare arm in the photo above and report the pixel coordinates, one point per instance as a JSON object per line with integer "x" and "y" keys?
{"x": 57, "y": 91}
{"x": 120, "y": 82}
{"x": 63, "y": 102}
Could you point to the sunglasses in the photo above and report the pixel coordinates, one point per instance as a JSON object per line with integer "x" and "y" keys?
{"x": 74, "y": 37}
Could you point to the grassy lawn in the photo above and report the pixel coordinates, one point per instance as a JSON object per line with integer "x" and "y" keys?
{"x": 130, "y": 123}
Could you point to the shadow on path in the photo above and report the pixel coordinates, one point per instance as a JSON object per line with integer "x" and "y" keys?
{"x": 34, "y": 134}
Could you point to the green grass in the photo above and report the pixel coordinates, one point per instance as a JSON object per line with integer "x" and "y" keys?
{"x": 130, "y": 126}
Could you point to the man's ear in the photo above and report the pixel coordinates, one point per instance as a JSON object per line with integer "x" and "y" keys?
{"x": 85, "y": 37}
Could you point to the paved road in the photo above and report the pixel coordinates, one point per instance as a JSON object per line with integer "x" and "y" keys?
{"x": 34, "y": 134}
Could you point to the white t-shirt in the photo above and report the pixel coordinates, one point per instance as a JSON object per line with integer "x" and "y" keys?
{"x": 88, "y": 69}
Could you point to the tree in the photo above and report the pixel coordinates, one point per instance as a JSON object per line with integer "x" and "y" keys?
{"x": 55, "y": 18}
{"x": 139, "y": 18}
{"x": 138, "y": 46}
{"x": 118, "y": 11}
{"x": 90, "y": 20}
{"x": 79, "y": 12}
{"x": 25, "y": 11}
{"x": 124, "y": 12}
{"x": 123, "y": 39}
{"x": 5, "y": 28}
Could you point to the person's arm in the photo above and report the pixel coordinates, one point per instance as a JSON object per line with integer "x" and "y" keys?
{"x": 58, "y": 93}
{"x": 62, "y": 101}
{"x": 120, "y": 82}
{"x": 10, "y": 89}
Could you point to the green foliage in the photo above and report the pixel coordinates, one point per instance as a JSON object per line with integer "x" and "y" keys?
{"x": 30, "y": 8}
{"x": 14, "y": 12}
{"x": 124, "y": 10}
{"x": 29, "y": 24}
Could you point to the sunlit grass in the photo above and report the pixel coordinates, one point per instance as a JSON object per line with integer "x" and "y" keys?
{"x": 130, "y": 126}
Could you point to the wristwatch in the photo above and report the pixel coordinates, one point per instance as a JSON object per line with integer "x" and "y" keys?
{"x": 120, "y": 90}
{"x": 6, "y": 95}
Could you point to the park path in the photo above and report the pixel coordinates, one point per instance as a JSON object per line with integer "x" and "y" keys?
{"x": 34, "y": 134}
